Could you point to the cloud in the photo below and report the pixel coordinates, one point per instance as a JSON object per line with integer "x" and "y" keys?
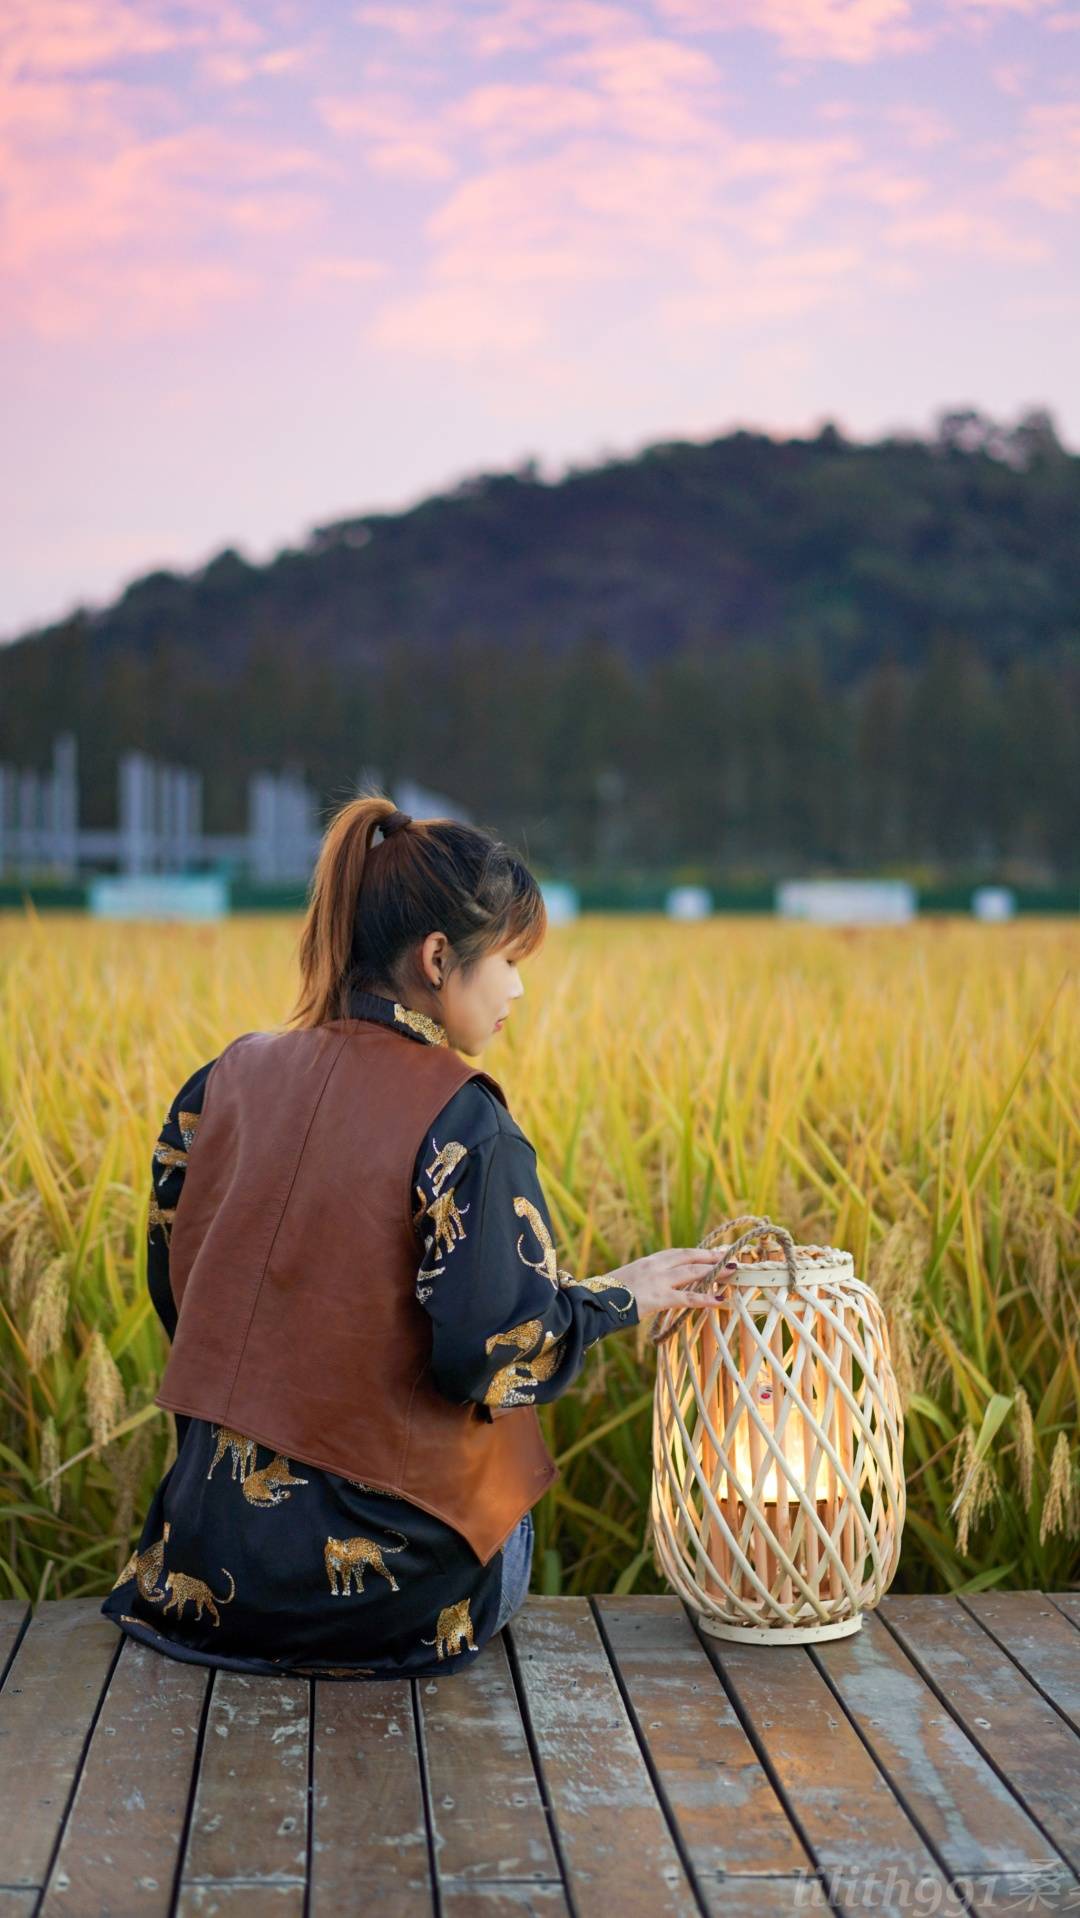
{"x": 962, "y": 232}
{"x": 119, "y": 227}
{"x": 412, "y": 160}
{"x": 505, "y": 118}
{"x": 383, "y": 115}
{"x": 777, "y": 288}
{"x": 855, "y": 31}
{"x": 1011, "y": 76}
{"x": 50, "y": 37}
{"x": 313, "y": 276}
{"x": 1048, "y": 168}
{"x": 166, "y": 295}
{"x": 238, "y": 70}
{"x": 414, "y": 25}
{"x": 473, "y": 324}
{"x": 921, "y": 126}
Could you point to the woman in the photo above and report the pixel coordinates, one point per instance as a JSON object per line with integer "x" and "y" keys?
{"x": 353, "y": 1260}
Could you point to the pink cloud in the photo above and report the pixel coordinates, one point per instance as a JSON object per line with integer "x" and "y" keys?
{"x": 153, "y": 297}
{"x": 412, "y": 160}
{"x": 272, "y": 213}
{"x": 883, "y": 188}
{"x": 1011, "y": 76}
{"x": 855, "y": 31}
{"x": 965, "y": 233}
{"x": 238, "y": 70}
{"x": 383, "y": 115}
{"x": 518, "y": 26}
{"x": 40, "y": 37}
{"x": 923, "y": 127}
{"x": 508, "y": 117}
{"x": 651, "y": 89}
{"x": 313, "y": 276}
{"x": 777, "y": 288}
{"x": 128, "y": 226}
{"x": 469, "y": 323}
{"x": 1048, "y": 169}
{"x": 414, "y": 25}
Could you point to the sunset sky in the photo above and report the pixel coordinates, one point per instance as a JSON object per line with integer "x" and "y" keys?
{"x": 268, "y": 264}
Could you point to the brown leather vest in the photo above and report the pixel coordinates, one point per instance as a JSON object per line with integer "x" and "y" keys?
{"x": 293, "y": 1260}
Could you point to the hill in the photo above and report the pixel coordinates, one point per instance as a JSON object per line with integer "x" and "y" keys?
{"x": 528, "y": 637}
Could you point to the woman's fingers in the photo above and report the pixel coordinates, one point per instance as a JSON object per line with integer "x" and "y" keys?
{"x": 727, "y": 1265}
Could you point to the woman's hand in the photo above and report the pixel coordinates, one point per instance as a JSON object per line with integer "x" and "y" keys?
{"x": 663, "y": 1278}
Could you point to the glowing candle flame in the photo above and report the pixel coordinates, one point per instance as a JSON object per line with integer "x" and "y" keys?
{"x": 791, "y": 1445}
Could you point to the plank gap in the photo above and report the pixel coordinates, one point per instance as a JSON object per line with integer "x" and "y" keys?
{"x": 537, "y": 1762}
{"x": 77, "y": 1768}
{"x": 18, "y": 1633}
{"x": 929, "y": 1680}
{"x": 306, "y": 1907}
{"x": 176, "y": 1891}
{"x": 762, "y": 1756}
{"x": 425, "y": 1796}
{"x": 1026, "y": 1672}
{"x": 954, "y": 1880}
{"x": 1069, "y": 1611}
{"x": 664, "y": 1802}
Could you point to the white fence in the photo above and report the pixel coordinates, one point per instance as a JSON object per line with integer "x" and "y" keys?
{"x": 159, "y": 830}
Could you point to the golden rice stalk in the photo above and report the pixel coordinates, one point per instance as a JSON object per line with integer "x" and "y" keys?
{"x": 48, "y": 1312}
{"x": 50, "y": 1459}
{"x": 1061, "y": 1506}
{"x": 20, "y": 1232}
{"x": 126, "y": 1471}
{"x": 982, "y": 1492}
{"x": 1044, "y": 1266}
{"x": 1025, "y": 1444}
{"x": 896, "y": 1274}
{"x": 106, "y": 1400}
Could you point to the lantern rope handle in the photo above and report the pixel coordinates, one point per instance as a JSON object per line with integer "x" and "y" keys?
{"x": 756, "y": 1229}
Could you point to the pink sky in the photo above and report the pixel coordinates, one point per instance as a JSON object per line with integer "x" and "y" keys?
{"x": 267, "y": 265}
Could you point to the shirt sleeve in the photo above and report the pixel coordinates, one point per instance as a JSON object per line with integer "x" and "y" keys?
{"x": 166, "y": 1182}
{"x": 509, "y": 1326}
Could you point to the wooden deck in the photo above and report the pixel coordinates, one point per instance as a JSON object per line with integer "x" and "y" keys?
{"x": 600, "y": 1757}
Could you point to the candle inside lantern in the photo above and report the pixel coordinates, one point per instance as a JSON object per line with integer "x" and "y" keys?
{"x": 797, "y": 1447}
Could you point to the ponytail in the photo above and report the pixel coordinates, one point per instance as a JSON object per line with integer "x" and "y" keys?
{"x": 372, "y": 903}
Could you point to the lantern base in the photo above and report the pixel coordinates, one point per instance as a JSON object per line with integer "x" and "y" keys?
{"x": 778, "y": 1634}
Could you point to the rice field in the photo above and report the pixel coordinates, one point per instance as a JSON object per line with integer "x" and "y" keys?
{"x": 911, "y": 1094}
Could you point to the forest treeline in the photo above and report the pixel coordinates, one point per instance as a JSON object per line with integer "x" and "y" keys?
{"x": 748, "y": 655}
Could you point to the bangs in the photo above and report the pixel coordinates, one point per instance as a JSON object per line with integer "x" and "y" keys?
{"x": 526, "y": 921}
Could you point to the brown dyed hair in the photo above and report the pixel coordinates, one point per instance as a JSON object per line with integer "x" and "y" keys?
{"x": 371, "y": 906}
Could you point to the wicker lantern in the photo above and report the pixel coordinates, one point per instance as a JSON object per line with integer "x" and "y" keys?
{"x": 778, "y": 1492}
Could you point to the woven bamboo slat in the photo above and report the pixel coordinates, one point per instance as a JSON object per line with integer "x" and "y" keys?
{"x": 778, "y": 1491}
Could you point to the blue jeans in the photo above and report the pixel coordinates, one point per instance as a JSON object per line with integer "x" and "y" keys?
{"x": 516, "y": 1570}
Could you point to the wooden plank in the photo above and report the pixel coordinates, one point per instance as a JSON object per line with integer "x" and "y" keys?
{"x": 618, "y": 1852}
{"x": 870, "y": 1853}
{"x": 46, "y": 1709}
{"x": 249, "y": 1823}
{"x": 740, "y": 1842}
{"x": 236, "y": 1901}
{"x": 1039, "y": 1638}
{"x": 1033, "y": 1750}
{"x": 486, "y": 1809}
{"x": 121, "y": 1841}
{"x": 971, "y": 1820}
{"x": 369, "y": 1833}
{"x": 504, "y": 1901}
